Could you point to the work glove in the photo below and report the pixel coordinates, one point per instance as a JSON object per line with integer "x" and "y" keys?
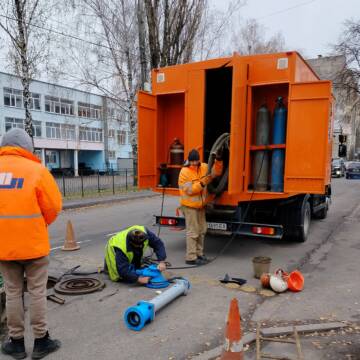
{"x": 143, "y": 280}
{"x": 162, "y": 266}
{"x": 206, "y": 180}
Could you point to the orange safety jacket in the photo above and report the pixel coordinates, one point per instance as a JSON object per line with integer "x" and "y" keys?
{"x": 29, "y": 201}
{"x": 192, "y": 193}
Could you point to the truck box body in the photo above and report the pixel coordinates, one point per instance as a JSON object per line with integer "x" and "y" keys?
{"x": 198, "y": 102}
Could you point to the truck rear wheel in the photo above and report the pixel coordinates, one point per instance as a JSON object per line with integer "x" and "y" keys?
{"x": 304, "y": 228}
{"x": 322, "y": 214}
{"x": 297, "y": 226}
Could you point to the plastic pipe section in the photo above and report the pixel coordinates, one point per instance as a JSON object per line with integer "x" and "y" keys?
{"x": 136, "y": 317}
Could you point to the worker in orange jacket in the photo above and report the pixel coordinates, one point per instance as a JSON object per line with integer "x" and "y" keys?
{"x": 193, "y": 181}
{"x": 29, "y": 201}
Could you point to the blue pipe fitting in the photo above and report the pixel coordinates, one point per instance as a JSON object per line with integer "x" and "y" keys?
{"x": 136, "y": 317}
{"x": 157, "y": 280}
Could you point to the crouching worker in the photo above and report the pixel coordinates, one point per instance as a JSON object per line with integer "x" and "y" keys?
{"x": 125, "y": 250}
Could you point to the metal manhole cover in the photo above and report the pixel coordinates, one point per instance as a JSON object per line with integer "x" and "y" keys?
{"x": 79, "y": 286}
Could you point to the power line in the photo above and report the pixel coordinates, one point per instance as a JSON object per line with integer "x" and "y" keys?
{"x": 65, "y": 34}
{"x": 287, "y": 9}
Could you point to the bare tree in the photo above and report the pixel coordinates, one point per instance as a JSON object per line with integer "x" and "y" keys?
{"x": 172, "y": 30}
{"x": 250, "y": 39}
{"x": 142, "y": 43}
{"x": 349, "y": 46}
{"x": 110, "y": 63}
{"x": 214, "y": 31}
{"x": 22, "y": 20}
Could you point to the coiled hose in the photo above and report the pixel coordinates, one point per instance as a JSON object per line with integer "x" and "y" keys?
{"x": 223, "y": 141}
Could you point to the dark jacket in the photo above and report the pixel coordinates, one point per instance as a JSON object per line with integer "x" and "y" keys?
{"x": 127, "y": 270}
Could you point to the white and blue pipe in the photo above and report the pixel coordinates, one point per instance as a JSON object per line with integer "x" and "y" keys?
{"x": 136, "y": 317}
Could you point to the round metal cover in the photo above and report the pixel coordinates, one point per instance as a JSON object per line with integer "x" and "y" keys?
{"x": 79, "y": 286}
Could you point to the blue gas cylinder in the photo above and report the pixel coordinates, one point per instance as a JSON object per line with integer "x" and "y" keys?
{"x": 277, "y": 170}
{"x": 279, "y": 129}
{"x": 278, "y": 155}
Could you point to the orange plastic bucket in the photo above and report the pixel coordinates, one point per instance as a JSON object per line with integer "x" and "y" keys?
{"x": 295, "y": 281}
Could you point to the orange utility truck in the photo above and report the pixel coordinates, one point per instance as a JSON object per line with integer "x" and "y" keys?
{"x": 272, "y": 115}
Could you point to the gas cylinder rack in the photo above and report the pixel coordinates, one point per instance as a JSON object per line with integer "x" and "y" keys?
{"x": 268, "y": 118}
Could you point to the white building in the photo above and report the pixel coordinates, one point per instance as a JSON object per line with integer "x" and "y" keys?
{"x": 73, "y": 129}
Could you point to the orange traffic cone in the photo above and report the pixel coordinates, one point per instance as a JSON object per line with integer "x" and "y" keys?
{"x": 233, "y": 348}
{"x": 70, "y": 242}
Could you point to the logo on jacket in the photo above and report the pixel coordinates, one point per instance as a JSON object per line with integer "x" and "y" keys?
{"x": 7, "y": 181}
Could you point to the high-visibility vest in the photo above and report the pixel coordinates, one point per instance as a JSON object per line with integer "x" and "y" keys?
{"x": 30, "y": 200}
{"x": 192, "y": 194}
{"x": 119, "y": 241}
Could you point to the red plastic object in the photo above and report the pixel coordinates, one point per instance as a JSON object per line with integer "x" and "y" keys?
{"x": 295, "y": 281}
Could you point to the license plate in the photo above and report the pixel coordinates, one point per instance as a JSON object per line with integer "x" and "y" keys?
{"x": 216, "y": 226}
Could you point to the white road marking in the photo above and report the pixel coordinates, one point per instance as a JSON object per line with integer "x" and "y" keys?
{"x": 79, "y": 242}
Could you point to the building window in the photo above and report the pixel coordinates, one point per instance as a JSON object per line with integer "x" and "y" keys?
{"x": 67, "y": 132}
{"x": 37, "y": 128}
{"x": 50, "y": 157}
{"x": 14, "y": 98}
{"x": 37, "y": 153}
{"x": 89, "y": 111}
{"x": 112, "y": 155}
{"x": 111, "y": 133}
{"x": 53, "y": 130}
{"x": 121, "y": 137}
{"x": 11, "y": 123}
{"x": 91, "y": 134}
{"x": 59, "y": 106}
{"x": 60, "y": 131}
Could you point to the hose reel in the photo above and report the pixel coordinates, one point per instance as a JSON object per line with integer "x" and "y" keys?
{"x": 223, "y": 141}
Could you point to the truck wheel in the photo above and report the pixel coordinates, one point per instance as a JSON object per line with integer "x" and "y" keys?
{"x": 303, "y": 227}
{"x": 322, "y": 214}
{"x": 296, "y": 220}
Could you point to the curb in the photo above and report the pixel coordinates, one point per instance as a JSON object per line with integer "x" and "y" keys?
{"x": 214, "y": 353}
{"x": 93, "y": 202}
{"x": 273, "y": 331}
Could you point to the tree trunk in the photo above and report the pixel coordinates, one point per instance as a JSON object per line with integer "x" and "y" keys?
{"x": 142, "y": 43}
{"x": 153, "y": 23}
{"x": 25, "y": 73}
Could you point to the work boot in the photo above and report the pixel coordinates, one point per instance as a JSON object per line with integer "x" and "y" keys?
{"x": 203, "y": 259}
{"x": 195, "y": 262}
{"x": 14, "y": 348}
{"x": 44, "y": 346}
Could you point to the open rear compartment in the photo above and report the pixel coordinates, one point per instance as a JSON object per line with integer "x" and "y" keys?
{"x": 170, "y": 138}
{"x": 266, "y": 134}
{"x": 218, "y": 99}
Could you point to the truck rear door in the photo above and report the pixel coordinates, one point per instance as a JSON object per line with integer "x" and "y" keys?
{"x": 146, "y": 140}
{"x": 309, "y": 132}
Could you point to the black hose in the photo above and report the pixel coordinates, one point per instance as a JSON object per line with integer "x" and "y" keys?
{"x": 223, "y": 141}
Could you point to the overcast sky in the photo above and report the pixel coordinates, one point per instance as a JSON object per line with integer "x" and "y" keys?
{"x": 307, "y": 25}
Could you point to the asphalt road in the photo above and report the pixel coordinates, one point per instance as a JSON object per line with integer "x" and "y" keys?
{"x": 92, "y": 327}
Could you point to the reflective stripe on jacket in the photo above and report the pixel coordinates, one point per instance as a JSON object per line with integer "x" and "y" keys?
{"x": 29, "y": 201}
{"x": 192, "y": 193}
{"x": 119, "y": 241}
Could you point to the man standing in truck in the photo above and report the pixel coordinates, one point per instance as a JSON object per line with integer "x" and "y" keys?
{"x": 193, "y": 180}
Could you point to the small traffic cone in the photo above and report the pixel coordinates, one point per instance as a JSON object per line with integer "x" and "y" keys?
{"x": 70, "y": 242}
{"x": 233, "y": 347}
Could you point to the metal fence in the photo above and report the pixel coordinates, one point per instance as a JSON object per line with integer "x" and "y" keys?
{"x": 96, "y": 184}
